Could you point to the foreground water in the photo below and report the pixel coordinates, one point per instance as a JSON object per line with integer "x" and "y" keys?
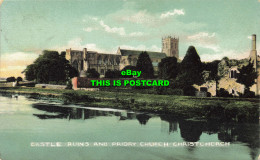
{"x": 42, "y": 130}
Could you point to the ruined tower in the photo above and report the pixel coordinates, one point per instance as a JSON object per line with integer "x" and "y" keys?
{"x": 253, "y": 53}
{"x": 170, "y": 46}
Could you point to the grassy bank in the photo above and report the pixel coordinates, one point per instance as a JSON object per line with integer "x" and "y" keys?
{"x": 234, "y": 109}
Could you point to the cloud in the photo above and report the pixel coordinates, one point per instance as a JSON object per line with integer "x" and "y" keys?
{"x": 89, "y": 29}
{"x": 12, "y": 64}
{"x": 136, "y": 34}
{"x": 141, "y": 17}
{"x": 172, "y": 13}
{"x": 201, "y": 35}
{"x": 204, "y": 40}
{"x": 77, "y": 44}
{"x": 231, "y": 54}
{"x": 145, "y": 17}
{"x": 115, "y": 30}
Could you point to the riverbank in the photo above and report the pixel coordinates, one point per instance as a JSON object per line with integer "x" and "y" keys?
{"x": 225, "y": 109}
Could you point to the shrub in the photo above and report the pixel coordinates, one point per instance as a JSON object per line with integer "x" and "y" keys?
{"x": 189, "y": 91}
{"x": 76, "y": 97}
{"x": 112, "y": 74}
{"x": 223, "y": 93}
{"x": 69, "y": 84}
{"x": 168, "y": 91}
{"x": 10, "y": 79}
{"x": 92, "y": 73}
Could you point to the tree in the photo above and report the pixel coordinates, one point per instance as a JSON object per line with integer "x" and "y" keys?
{"x": 168, "y": 68}
{"x": 145, "y": 65}
{"x": 19, "y": 79}
{"x": 129, "y": 67}
{"x": 10, "y": 79}
{"x": 112, "y": 74}
{"x": 92, "y": 73}
{"x": 247, "y": 76}
{"x": 30, "y": 74}
{"x": 213, "y": 68}
{"x": 190, "y": 70}
{"x": 50, "y": 66}
{"x": 191, "y": 62}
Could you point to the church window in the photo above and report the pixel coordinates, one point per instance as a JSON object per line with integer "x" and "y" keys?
{"x": 134, "y": 61}
{"x": 102, "y": 71}
{"x": 81, "y": 65}
{"x": 117, "y": 60}
{"x": 111, "y": 61}
{"x": 99, "y": 60}
{"x": 105, "y": 60}
{"x": 75, "y": 65}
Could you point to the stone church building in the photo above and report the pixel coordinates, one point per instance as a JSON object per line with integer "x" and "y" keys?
{"x": 101, "y": 62}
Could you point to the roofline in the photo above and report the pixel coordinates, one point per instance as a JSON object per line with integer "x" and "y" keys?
{"x": 141, "y": 50}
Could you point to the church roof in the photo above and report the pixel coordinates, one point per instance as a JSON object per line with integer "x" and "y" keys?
{"x": 125, "y": 52}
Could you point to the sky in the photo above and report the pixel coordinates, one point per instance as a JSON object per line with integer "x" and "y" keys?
{"x": 216, "y": 28}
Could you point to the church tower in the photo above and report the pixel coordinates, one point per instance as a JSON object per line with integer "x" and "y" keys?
{"x": 170, "y": 46}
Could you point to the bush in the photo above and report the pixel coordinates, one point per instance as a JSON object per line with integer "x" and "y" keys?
{"x": 168, "y": 91}
{"x": 69, "y": 84}
{"x": 189, "y": 91}
{"x": 248, "y": 94}
{"x": 19, "y": 79}
{"x": 129, "y": 67}
{"x": 76, "y": 97}
{"x": 223, "y": 93}
{"x": 10, "y": 79}
{"x": 112, "y": 74}
{"x": 92, "y": 73}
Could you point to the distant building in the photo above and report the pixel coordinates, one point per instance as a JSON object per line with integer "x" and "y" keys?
{"x": 83, "y": 60}
{"x": 129, "y": 57}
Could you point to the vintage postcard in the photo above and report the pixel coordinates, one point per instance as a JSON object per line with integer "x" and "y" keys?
{"x": 129, "y": 79}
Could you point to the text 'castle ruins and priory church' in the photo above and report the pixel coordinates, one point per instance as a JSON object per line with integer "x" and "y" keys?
{"x": 84, "y": 59}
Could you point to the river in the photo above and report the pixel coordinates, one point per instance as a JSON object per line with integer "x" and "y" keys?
{"x": 33, "y": 129}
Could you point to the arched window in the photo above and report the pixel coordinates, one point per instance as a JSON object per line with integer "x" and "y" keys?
{"x": 129, "y": 59}
{"x": 81, "y": 65}
{"x": 105, "y": 60}
{"x": 117, "y": 60}
{"x": 99, "y": 60}
{"x": 111, "y": 60}
{"x": 134, "y": 61}
{"x": 75, "y": 64}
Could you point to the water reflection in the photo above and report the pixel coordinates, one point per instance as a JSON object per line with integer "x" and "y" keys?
{"x": 189, "y": 130}
{"x": 53, "y": 111}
